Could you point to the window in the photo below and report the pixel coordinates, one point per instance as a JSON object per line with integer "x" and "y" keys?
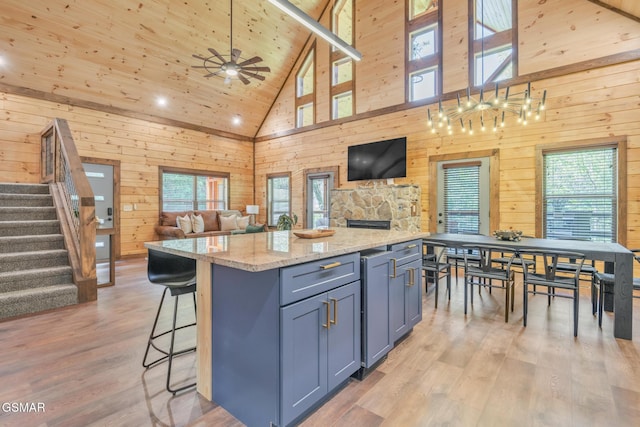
{"x": 278, "y": 197}
{"x": 423, "y": 50}
{"x": 342, "y": 100}
{"x": 493, "y": 43}
{"x": 183, "y": 190}
{"x": 461, "y": 194}
{"x": 580, "y": 194}
{"x": 305, "y": 91}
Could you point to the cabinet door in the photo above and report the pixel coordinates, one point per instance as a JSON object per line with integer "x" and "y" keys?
{"x": 414, "y": 293}
{"x": 397, "y": 302}
{"x": 304, "y": 355}
{"x": 376, "y": 329}
{"x": 344, "y": 333}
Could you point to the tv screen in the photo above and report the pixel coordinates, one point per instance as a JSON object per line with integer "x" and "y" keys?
{"x": 378, "y": 160}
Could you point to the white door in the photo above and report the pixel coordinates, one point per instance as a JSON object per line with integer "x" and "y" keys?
{"x": 463, "y": 196}
{"x": 319, "y": 186}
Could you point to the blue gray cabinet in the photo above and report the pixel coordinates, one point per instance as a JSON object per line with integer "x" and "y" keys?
{"x": 376, "y": 322}
{"x": 320, "y": 347}
{"x": 405, "y": 292}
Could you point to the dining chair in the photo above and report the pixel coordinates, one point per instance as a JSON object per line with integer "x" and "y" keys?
{"x": 608, "y": 279}
{"x": 587, "y": 273}
{"x": 456, "y": 256}
{"x": 553, "y": 279}
{"x": 435, "y": 268}
{"x": 484, "y": 273}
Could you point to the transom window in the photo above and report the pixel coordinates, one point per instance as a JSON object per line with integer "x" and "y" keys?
{"x": 423, "y": 51}
{"x": 183, "y": 190}
{"x": 580, "y": 194}
{"x": 493, "y": 41}
{"x": 305, "y": 91}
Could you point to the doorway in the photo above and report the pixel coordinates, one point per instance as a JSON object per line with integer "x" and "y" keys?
{"x": 103, "y": 176}
{"x": 317, "y": 196}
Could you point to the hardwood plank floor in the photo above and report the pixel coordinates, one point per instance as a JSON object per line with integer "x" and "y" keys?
{"x": 84, "y": 364}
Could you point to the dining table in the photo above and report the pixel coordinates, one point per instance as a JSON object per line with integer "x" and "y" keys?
{"x": 617, "y": 255}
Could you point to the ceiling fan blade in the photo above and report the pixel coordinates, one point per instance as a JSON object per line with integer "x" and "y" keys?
{"x": 250, "y": 74}
{"x": 260, "y": 69}
{"x": 217, "y": 55}
{"x": 235, "y": 55}
{"x": 243, "y": 79}
{"x": 205, "y": 66}
{"x": 250, "y": 61}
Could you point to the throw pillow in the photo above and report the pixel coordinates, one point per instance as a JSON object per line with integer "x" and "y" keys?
{"x": 243, "y": 222}
{"x": 255, "y": 228}
{"x": 228, "y": 223}
{"x": 184, "y": 224}
{"x": 197, "y": 223}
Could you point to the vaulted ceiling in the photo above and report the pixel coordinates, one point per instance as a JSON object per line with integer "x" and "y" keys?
{"x": 121, "y": 56}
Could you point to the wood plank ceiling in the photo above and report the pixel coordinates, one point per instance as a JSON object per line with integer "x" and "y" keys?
{"x": 121, "y": 56}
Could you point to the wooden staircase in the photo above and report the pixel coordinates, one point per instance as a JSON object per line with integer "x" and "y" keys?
{"x": 35, "y": 274}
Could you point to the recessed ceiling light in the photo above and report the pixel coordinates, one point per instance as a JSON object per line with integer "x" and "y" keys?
{"x": 161, "y": 101}
{"x": 236, "y": 120}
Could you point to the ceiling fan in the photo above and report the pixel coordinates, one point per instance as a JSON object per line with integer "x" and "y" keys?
{"x": 233, "y": 65}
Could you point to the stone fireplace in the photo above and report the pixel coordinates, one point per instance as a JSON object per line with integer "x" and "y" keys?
{"x": 399, "y": 204}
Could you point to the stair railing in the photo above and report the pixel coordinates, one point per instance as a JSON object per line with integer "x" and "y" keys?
{"x": 62, "y": 169}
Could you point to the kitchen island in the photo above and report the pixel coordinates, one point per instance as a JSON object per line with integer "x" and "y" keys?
{"x": 260, "y": 299}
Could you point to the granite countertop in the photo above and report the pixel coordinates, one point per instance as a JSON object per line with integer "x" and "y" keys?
{"x": 266, "y": 251}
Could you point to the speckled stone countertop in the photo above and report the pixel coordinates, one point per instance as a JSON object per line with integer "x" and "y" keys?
{"x": 266, "y": 251}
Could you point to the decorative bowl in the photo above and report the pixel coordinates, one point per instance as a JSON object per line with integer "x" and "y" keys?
{"x": 512, "y": 235}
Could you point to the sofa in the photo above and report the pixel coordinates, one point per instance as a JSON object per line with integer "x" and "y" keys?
{"x": 205, "y": 223}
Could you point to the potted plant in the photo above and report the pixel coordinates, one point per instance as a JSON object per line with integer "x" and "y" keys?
{"x": 286, "y": 222}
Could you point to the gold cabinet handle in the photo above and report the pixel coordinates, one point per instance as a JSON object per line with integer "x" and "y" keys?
{"x": 332, "y": 265}
{"x": 411, "y": 246}
{"x": 395, "y": 265}
{"x": 328, "y": 324}
{"x": 412, "y": 276}
{"x": 335, "y": 311}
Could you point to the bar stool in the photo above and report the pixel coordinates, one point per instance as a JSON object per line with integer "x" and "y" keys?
{"x": 178, "y": 275}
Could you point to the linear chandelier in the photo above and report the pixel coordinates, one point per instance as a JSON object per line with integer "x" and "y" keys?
{"x": 488, "y": 110}
{"x": 318, "y": 29}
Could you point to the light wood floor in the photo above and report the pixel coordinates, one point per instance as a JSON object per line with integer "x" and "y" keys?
{"x": 84, "y": 364}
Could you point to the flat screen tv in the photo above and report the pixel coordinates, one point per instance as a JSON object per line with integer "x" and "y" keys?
{"x": 378, "y": 160}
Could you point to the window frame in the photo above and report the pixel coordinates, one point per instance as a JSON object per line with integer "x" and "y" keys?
{"x": 304, "y": 100}
{"x": 490, "y": 44}
{"x": 414, "y": 66}
{"x": 335, "y": 56}
{"x": 194, "y": 173}
{"x": 269, "y": 203}
{"x": 620, "y": 144}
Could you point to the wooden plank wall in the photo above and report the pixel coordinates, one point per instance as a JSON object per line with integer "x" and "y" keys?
{"x": 595, "y": 104}
{"x": 140, "y": 146}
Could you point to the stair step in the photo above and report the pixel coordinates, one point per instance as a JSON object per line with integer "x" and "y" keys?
{"x": 16, "y": 188}
{"x": 35, "y": 278}
{"x": 39, "y": 299}
{"x": 13, "y": 199}
{"x": 32, "y": 213}
{"x": 30, "y": 243}
{"x": 15, "y": 261}
{"x": 27, "y": 228}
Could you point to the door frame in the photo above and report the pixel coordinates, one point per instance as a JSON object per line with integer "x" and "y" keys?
{"x": 494, "y": 184}
{"x": 336, "y": 180}
{"x": 115, "y": 238}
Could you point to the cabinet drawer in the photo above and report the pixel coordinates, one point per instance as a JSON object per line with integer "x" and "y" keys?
{"x": 305, "y": 280}
{"x": 406, "y": 251}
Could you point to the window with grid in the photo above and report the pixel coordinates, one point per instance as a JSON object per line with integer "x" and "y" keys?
{"x": 580, "y": 194}
{"x": 182, "y": 190}
{"x": 305, "y": 91}
{"x": 423, "y": 51}
{"x": 342, "y": 100}
{"x": 462, "y": 197}
{"x": 278, "y": 197}
{"x": 493, "y": 44}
